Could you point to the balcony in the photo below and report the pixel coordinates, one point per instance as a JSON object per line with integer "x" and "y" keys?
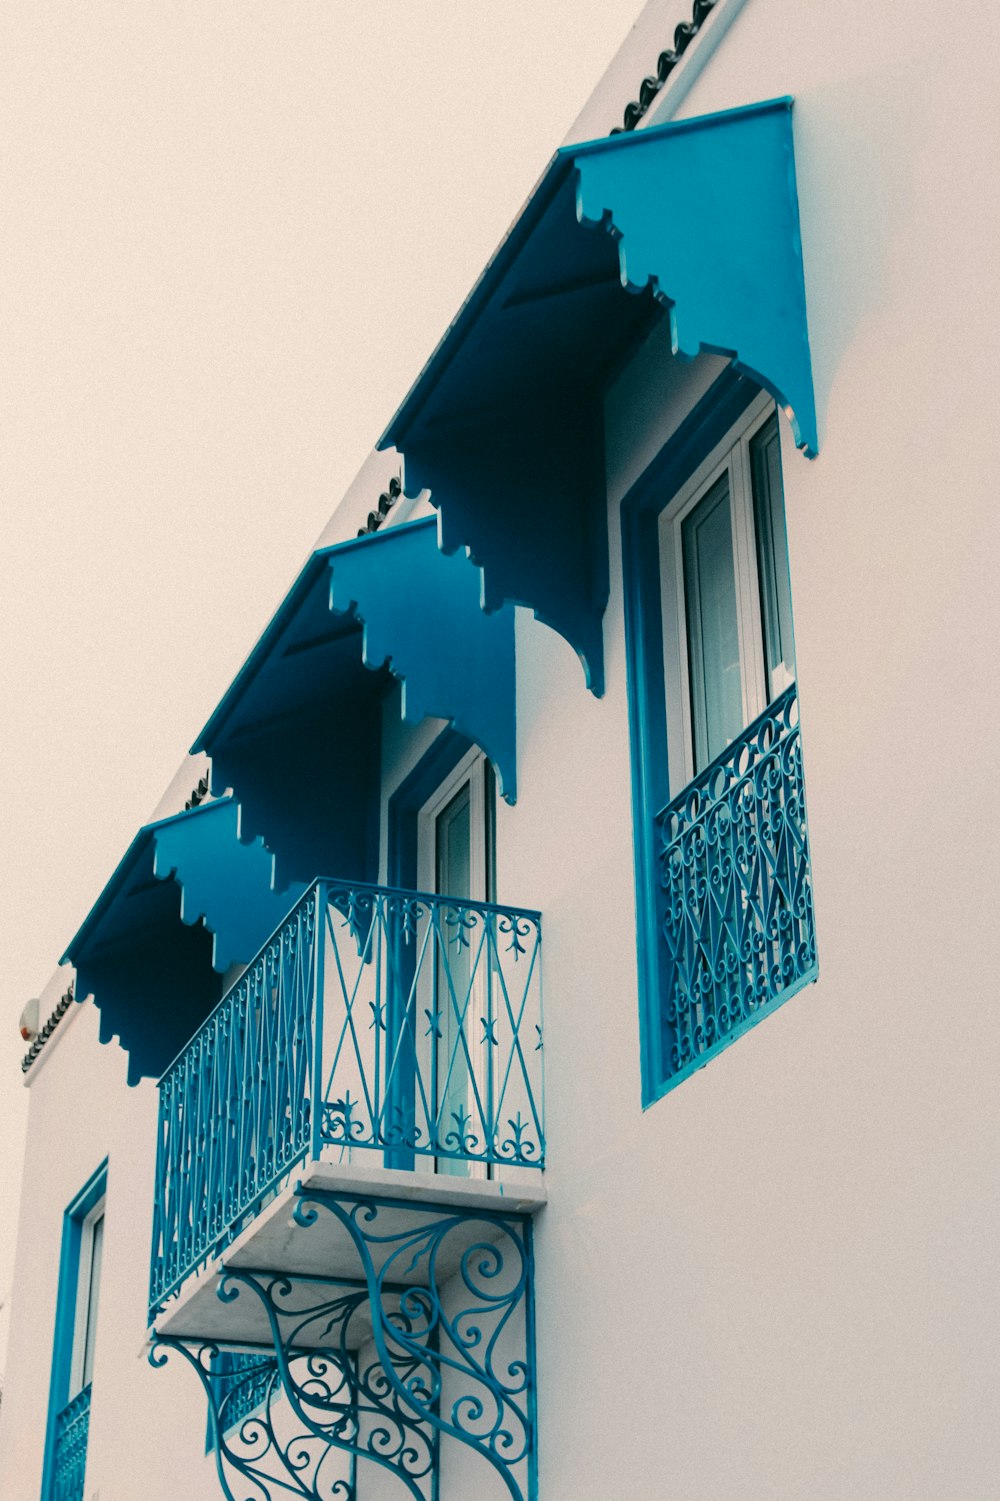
{"x": 395, "y": 1028}
{"x": 69, "y": 1452}
{"x": 736, "y": 890}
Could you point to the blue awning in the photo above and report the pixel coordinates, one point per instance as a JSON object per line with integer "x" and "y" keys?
{"x": 298, "y": 734}
{"x": 698, "y": 222}
{"x": 186, "y": 902}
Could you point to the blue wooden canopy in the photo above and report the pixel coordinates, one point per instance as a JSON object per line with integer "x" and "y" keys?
{"x": 298, "y": 734}
{"x": 186, "y": 902}
{"x": 698, "y": 222}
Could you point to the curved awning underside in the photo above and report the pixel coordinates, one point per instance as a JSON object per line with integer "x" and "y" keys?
{"x": 421, "y": 618}
{"x": 697, "y": 222}
{"x": 297, "y": 737}
{"x": 186, "y": 903}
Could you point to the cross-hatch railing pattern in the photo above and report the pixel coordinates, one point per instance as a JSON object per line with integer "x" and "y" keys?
{"x": 373, "y": 1018}
{"x": 737, "y": 917}
{"x": 69, "y": 1454}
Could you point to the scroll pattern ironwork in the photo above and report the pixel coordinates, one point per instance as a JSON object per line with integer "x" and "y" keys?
{"x": 374, "y": 1018}
{"x": 69, "y": 1456}
{"x": 434, "y": 1339}
{"x": 319, "y": 1408}
{"x": 241, "y": 1385}
{"x": 737, "y": 916}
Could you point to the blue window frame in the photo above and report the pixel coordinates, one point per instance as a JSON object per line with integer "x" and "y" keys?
{"x": 723, "y": 882}
{"x": 77, "y": 1303}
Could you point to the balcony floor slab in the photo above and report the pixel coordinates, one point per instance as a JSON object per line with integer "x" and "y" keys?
{"x": 321, "y": 1258}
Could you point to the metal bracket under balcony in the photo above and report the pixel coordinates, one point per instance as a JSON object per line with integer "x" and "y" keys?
{"x": 383, "y": 1323}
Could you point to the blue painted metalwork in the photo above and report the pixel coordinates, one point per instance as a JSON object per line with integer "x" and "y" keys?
{"x": 332, "y": 1041}
{"x": 188, "y": 872}
{"x": 316, "y": 1414}
{"x": 736, "y": 891}
{"x": 302, "y": 720}
{"x": 442, "y": 1312}
{"x": 243, "y": 1386}
{"x": 241, "y": 1383}
{"x": 698, "y": 221}
{"x": 697, "y": 436}
{"x": 69, "y": 1462}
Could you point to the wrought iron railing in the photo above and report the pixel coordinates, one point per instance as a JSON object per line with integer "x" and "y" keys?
{"x": 372, "y": 1019}
{"x": 241, "y": 1382}
{"x": 69, "y": 1452}
{"x": 737, "y": 913}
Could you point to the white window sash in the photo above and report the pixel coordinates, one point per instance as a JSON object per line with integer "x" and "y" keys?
{"x": 86, "y": 1296}
{"x": 470, "y": 770}
{"x": 731, "y": 457}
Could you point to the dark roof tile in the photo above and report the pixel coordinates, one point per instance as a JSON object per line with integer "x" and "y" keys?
{"x": 684, "y": 35}
{"x": 62, "y": 1006}
{"x": 386, "y": 501}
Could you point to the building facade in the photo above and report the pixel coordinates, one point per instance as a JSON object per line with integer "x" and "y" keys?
{"x": 637, "y": 631}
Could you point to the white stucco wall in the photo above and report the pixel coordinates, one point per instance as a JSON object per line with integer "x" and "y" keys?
{"x": 778, "y": 1282}
{"x": 147, "y": 1427}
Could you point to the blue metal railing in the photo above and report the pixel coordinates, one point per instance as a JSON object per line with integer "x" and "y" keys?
{"x": 737, "y": 910}
{"x": 372, "y": 1019}
{"x": 69, "y": 1454}
{"x": 241, "y": 1382}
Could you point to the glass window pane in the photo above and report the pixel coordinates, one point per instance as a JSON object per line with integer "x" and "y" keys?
{"x": 712, "y": 624}
{"x": 453, "y": 860}
{"x": 772, "y": 557}
{"x": 92, "y": 1295}
{"x": 454, "y": 855}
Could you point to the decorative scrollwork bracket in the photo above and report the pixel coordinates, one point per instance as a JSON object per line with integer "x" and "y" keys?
{"x": 431, "y": 1341}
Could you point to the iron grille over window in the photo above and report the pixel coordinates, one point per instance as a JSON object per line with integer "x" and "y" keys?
{"x": 722, "y": 847}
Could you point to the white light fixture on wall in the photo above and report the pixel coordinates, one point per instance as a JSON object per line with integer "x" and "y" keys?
{"x": 29, "y": 1021}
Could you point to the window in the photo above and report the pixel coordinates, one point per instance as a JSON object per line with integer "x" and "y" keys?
{"x": 454, "y": 859}
{"x": 77, "y": 1307}
{"x": 455, "y": 1084}
{"x": 722, "y": 862}
{"x": 726, "y": 600}
{"x": 88, "y": 1296}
